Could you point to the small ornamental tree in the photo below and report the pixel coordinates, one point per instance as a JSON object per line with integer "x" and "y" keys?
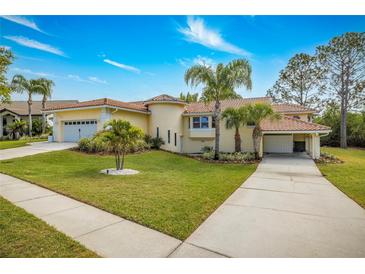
{"x": 256, "y": 114}
{"x": 235, "y": 118}
{"x": 120, "y": 137}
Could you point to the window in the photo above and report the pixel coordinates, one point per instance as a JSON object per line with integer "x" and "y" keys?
{"x": 168, "y": 136}
{"x": 158, "y": 132}
{"x": 201, "y": 122}
{"x": 87, "y": 122}
{"x": 175, "y": 139}
{"x": 189, "y": 122}
{"x": 213, "y": 122}
{"x": 296, "y": 117}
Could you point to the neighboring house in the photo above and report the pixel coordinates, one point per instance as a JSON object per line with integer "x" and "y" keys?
{"x": 187, "y": 128}
{"x": 18, "y": 110}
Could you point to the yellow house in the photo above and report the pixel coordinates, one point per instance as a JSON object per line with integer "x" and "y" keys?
{"x": 187, "y": 128}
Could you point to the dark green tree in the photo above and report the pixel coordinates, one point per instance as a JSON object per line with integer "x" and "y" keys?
{"x": 343, "y": 58}
{"x": 300, "y": 82}
{"x": 6, "y": 59}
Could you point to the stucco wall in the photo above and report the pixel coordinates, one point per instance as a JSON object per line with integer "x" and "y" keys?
{"x": 67, "y": 115}
{"x": 194, "y": 145}
{"x": 166, "y": 117}
{"x": 137, "y": 119}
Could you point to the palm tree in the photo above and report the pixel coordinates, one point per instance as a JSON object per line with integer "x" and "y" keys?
{"x": 46, "y": 92}
{"x": 20, "y": 85}
{"x": 256, "y": 114}
{"x": 16, "y": 128}
{"x": 189, "y": 97}
{"x": 219, "y": 84}
{"x": 234, "y": 119}
{"x": 121, "y": 136}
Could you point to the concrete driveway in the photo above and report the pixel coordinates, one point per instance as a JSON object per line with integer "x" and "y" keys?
{"x": 33, "y": 148}
{"x": 285, "y": 209}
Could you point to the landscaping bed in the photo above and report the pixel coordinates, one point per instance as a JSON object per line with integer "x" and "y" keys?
{"x": 172, "y": 194}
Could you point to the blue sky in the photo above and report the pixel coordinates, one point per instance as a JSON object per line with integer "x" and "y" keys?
{"x": 137, "y": 57}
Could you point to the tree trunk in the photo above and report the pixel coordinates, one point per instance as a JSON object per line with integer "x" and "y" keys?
{"x": 30, "y": 115}
{"x": 217, "y": 110}
{"x": 116, "y": 160}
{"x": 122, "y": 164}
{"x": 237, "y": 141}
{"x": 43, "y": 116}
{"x": 343, "y": 130}
{"x": 256, "y": 138}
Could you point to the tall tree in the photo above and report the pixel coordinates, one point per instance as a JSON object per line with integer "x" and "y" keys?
{"x": 30, "y": 87}
{"x": 256, "y": 113}
{"x": 45, "y": 89}
{"x": 344, "y": 61}
{"x": 300, "y": 82}
{"x": 6, "y": 59}
{"x": 219, "y": 83}
{"x": 189, "y": 97}
{"x": 235, "y": 118}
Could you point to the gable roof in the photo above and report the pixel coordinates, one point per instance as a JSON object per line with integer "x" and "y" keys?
{"x": 201, "y": 107}
{"x": 291, "y": 108}
{"x": 291, "y": 124}
{"x": 100, "y": 102}
{"x": 164, "y": 98}
{"x": 21, "y": 107}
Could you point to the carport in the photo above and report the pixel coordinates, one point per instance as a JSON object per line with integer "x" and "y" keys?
{"x": 289, "y": 135}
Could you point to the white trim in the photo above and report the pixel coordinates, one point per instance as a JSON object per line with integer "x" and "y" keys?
{"x": 198, "y": 114}
{"x": 94, "y": 107}
{"x": 294, "y": 132}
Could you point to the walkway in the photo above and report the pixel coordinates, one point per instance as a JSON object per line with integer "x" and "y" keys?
{"x": 33, "y": 148}
{"x": 106, "y": 234}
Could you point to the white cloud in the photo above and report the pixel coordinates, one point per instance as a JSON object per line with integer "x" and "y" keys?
{"x": 198, "y": 60}
{"x": 28, "y": 71}
{"x": 97, "y": 80}
{"x": 198, "y": 32}
{"x": 35, "y": 44}
{"x": 122, "y": 66}
{"x": 77, "y": 78}
{"x": 22, "y": 21}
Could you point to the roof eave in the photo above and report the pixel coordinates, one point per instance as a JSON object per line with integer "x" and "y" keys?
{"x": 94, "y": 107}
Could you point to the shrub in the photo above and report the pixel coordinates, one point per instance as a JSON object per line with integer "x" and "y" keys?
{"x": 98, "y": 144}
{"x": 157, "y": 142}
{"x": 206, "y": 149}
{"x": 230, "y": 157}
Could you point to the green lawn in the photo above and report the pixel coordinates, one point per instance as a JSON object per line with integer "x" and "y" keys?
{"x": 349, "y": 177}
{"x": 23, "y": 235}
{"x": 173, "y": 194}
{"x": 19, "y": 143}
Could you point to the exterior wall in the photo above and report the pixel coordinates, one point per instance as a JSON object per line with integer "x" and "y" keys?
{"x": 167, "y": 116}
{"x": 85, "y": 114}
{"x": 137, "y": 119}
{"x": 298, "y": 137}
{"x": 194, "y": 145}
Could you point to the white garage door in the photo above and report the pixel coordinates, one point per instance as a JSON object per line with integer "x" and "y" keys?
{"x": 73, "y": 131}
{"x": 278, "y": 143}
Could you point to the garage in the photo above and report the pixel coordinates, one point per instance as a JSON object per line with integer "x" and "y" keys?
{"x": 278, "y": 143}
{"x": 75, "y": 130}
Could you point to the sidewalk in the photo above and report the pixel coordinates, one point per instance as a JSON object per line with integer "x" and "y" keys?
{"x": 104, "y": 233}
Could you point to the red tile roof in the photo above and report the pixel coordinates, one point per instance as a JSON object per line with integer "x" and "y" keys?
{"x": 100, "y": 102}
{"x": 21, "y": 107}
{"x": 291, "y": 108}
{"x": 201, "y": 107}
{"x": 164, "y": 98}
{"x": 291, "y": 124}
